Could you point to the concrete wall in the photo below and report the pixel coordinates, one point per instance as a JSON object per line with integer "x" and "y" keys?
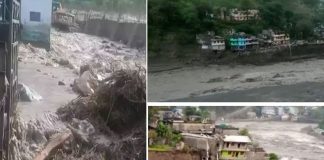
{"x": 152, "y": 155}
{"x": 132, "y": 34}
{"x": 191, "y": 127}
{"x": 33, "y": 31}
{"x": 257, "y": 156}
{"x": 201, "y": 144}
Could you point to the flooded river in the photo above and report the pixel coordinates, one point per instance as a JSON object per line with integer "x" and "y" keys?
{"x": 288, "y": 140}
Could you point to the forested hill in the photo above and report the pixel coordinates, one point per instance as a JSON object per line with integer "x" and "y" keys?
{"x": 179, "y": 21}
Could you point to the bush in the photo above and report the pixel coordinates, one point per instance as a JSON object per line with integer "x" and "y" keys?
{"x": 244, "y": 132}
{"x": 152, "y": 134}
{"x": 273, "y": 156}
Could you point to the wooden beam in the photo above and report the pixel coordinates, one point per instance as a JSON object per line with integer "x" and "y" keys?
{"x": 55, "y": 143}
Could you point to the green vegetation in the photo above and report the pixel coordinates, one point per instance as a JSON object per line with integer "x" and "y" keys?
{"x": 176, "y": 23}
{"x": 160, "y": 148}
{"x": 244, "y": 132}
{"x": 193, "y": 111}
{"x": 273, "y": 156}
{"x": 163, "y": 138}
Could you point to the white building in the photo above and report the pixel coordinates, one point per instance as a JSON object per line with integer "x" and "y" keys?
{"x": 244, "y": 15}
{"x": 269, "y": 111}
{"x": 36, "y": 16}
{"x": 218, "y": 43}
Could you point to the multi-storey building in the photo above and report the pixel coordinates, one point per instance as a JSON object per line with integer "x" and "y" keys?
{"x": 211, "y": 42}
{"x": 275, "y": 38}
{"x": 235, "y": 148}
{"x": 218, "y": 43}
{"x": 244, "y": 15}
{"x": 241, "y": 42}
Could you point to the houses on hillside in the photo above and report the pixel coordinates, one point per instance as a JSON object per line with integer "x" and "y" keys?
{"x": 238, "y": 15}
{"x": 275, "y": 37}
{"x": 241, "y": 42}
{"x": 244, "y": 15}
{"x": 211, "y": 42}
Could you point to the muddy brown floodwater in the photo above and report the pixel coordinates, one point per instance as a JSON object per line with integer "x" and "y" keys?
{"x": 286, "y": 139}
{"x": 196, "y": 83}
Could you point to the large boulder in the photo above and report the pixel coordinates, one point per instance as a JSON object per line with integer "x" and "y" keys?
{"x": 86, "y": 84}
{"x": 27, "y": 94}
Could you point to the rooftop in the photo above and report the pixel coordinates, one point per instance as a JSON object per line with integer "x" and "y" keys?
{"x": 243, "y": 139}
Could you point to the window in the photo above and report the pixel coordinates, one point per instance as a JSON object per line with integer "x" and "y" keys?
{"x": 35, "y": 16}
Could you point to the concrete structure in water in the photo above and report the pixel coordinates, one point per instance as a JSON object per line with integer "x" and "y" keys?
{"x": 36, "y": 18}
{"x": 235, "y": 148}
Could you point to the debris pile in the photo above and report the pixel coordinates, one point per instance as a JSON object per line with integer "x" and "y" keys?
{"x": 29, "y": 138}
{"x": 72, "y": 50}
{"x": 109, "y": 123}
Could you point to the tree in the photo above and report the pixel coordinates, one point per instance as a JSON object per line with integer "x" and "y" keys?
{"x": 151, "y": 112}
{"x": 163, "y": 130}
{"x": 178, "y": 22}
{"x": 204, "y": 113}
{"x": 190, "y": 111}
{"x": 248, "y": 4}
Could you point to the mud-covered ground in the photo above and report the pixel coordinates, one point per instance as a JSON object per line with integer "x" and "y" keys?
{"x": 286, "y": 139}
{"x": 211, "y": 83}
